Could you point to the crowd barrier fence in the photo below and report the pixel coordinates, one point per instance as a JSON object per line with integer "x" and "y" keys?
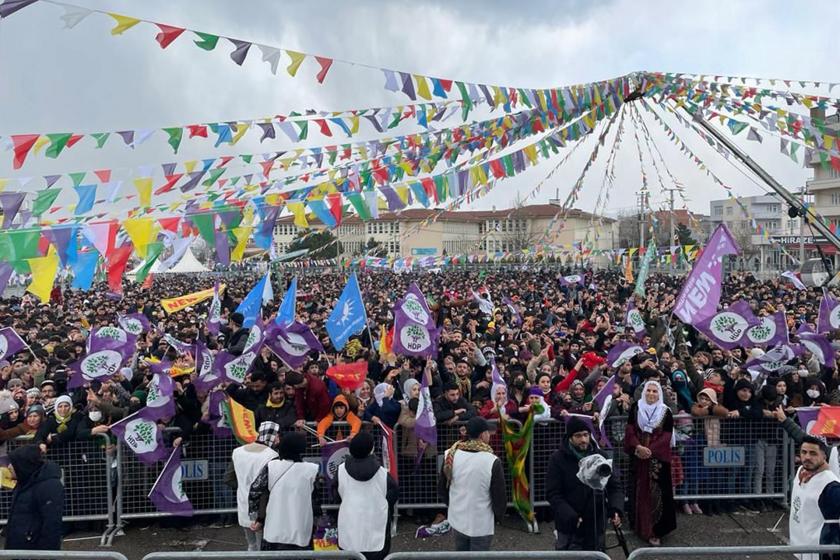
{"x": 88, "y": 471}
{"x": 275, "y": 555}
{"x": 809, "y": 552}
{"x": 713, "y": 459}
{"x": 60, "y": 555}
{"x": 501, "y": 555}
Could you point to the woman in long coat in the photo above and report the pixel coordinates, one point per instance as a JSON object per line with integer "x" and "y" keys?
{"x": 647, "y": 439}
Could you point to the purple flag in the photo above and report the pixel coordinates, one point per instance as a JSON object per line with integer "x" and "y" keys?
{"x": 65, "y": 239}
{"x": 10, "y": 343}
{"x": 794, "y": 279}
{"x": 605, "y": 393}
{"x": 167, "y": 493}
{"x": 604, "y": 399}
{"x": 256, "y": 337}
{"x": 98, "y": 365}
{"x": 633, "y": 319}
{"x": 496, "y": 376}
{"x": 10, "y": 201}
{"x": 214, "y": 314}
{"x": 5, "y": 274}
{"x": 516, "y": 318}
{"x": 182, "y": 348}
{"x": 134, "y": 324}
{"x": 819, "y": 346}
{"x": 728, "y": 327}
{"x": 141, "y": 434}
{"x": 414, "y": 328}
{"x": 161, "y": 396}
{"x": 772, "y": 360}
{"x": 233, "y": 368}
{"x": 206, "y": 376}
{"x": 112, "y": 338}
{"x": 292, "y": 344}
{"x": 700, "y": 294}
{"x": 572, "y": 279}
{"x": 622, "y": 352}
{"x": 424, "y": 425}
{"x": 771, "y": 330}
{"x": 222, "y": 248}
{"x": 807, "y": 416}
{"x": 829, "y": 316}
{"x": 332, "y": 456}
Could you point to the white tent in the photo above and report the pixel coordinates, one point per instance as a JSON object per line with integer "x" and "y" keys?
{"x": 188, "y": 263}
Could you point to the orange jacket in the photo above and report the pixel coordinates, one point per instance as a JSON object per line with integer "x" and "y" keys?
{"x": 353, "y": 420}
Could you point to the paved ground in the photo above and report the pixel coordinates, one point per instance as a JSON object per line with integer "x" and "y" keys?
{"x": 698, "y": 531}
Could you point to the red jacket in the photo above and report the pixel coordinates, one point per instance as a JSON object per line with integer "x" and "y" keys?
{"x": 313, "y": 402}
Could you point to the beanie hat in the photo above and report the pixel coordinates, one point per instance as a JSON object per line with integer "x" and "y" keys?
{"x": 477, "y": 426}
{"x": 743, "y": 384}
{"x": 362, "y": 445}
{"x": 292, "y": 446}
{"x": 769, "y": 393}
{"x": 535, "y": 392}
{"x": 575, "y": 425}
{"x": 709, "y": 393}
{"x": 237, "y": 318}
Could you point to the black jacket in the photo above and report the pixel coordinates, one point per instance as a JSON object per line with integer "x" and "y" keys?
{"x": 236, "y": 343}
{"x": 36, "y": 511}
{"x": 571, "y": 499}
{"x": 445, "y": 410}
{"x": 284, "y": 415}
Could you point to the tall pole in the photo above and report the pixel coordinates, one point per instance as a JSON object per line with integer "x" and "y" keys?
{"x": 767, "y": 178}
{"x": 671, "y": 227}
{"x": 641, "y": 221}
{"x": 802, "y": 232}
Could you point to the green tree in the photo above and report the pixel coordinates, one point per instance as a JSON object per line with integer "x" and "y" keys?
{"x": 321, "y": 244}
{"x": 684, "y": 235}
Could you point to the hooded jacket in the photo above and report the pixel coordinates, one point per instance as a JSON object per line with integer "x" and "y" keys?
{"x": 37, "y": 502}
{"x": 351, "y": 419}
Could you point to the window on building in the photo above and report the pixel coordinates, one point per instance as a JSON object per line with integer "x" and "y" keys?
{"x": 718, "y": 211}
{"x": 728, "y": 210}
{"x": 835, "y": 199}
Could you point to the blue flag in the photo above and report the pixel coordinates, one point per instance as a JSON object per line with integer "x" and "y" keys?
{"x": 251, "y": 305}
{"x": 286, "y": 313}
{"x": 87, "y": 195}
{"x": 84, "y": 270}
{"x": 349, "y": 316}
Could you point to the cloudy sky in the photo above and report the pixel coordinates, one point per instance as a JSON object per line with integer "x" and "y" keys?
{"x": 85, "y": 80}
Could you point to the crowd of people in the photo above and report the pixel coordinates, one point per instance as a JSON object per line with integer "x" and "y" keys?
{"x": 548, "y": 342}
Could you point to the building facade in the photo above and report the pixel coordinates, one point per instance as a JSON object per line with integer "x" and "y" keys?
{"x": 425, "y": 232}
{"x": 824, "y": 188}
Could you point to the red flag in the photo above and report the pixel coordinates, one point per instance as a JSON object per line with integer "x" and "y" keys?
{"x": 389, "y": 455}
{"x": 167, "y": 34}
{"x": 170, "y": 183}
{"x": 325, "y": 129}
{"x": 828, "y": 422}
{"x": 22, "y": 144}
{"x": 103, "y": 174}
{"x": 147, "y": 285}
{"x": 349, "y": 376}
{"x": 170, "y": 224}
{"x": 325, "y": 67}
{"x": 334, "y": 202}
{"x": 117, "y": 261}
{"x": 197, "y": 130}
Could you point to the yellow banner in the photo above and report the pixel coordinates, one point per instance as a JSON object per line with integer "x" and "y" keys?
{"x": 172, "y": 305}
{"x": 241, "y": 421}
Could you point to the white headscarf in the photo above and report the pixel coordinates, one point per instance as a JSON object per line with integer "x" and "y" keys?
{"x": 379, "y": 393}
{"x": 63, "y": 399}
{"x": 650, "y": 416}
{"x": 408, "y": 385}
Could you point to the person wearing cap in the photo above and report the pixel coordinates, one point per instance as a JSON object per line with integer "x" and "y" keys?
{"x": 247, "y": 462}
{"x": 289, "y": 484}
{"x": 235, "y": 344}
{"x": 472, "y": 484}
{"x": 815, "y": 499}
{"x": 368, "y": 494}
{"x": 580, "y": 514}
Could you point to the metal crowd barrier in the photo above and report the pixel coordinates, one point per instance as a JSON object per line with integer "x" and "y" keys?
{"x": 807, "y": 552}
{"x": 268, "y": 555}
{"x": 59, "y": 555}
{"x": 500, "y": 555}
{"x": 88, "y": 470}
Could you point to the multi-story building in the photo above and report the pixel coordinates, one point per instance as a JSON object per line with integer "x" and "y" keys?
{"x": 770, "y": 213}
{"x": 825, "y": 186}
{"x": 424, "y": 232}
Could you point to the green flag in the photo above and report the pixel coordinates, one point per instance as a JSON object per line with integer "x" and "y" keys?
{"x": 175, "y": 135}
{"x": 57, "y": 144}
{"x": 207, "y": 41}
{"x": 644, "y": 268}
{"x": 153, "y": 251}
{"x": 44, "y": 200}
{"x": 466, "y": 102}
{"x": 359, "y": 204}
{"x": 101, "y": 138}
{"x": 205, "y": 224}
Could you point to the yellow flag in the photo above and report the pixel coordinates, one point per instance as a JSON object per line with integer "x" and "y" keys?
{"x": 172, "y": 305}
{"x": 422, "y": 87}
{"x": 402, "y": 192}
{"x": 39, "y": 144}
{"x": 628, "y": 270}
{"x": 141, "y": 231}
{"x": 124, "y": 23}
{"x": 242, "y": 234}
{"x": 354, "y": 124}
{"x": 297, "y": 59}
{"x": 144, "y": 190}
{"x": 43, "y": 270}
{"x": 299, "y": 212}
{"x": 3, "y": 183}
{"x": 241, "y": 129}
{"x": 531, "y": 153}
{"x": 189, "y": 166}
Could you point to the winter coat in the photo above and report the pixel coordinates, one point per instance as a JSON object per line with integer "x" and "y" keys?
{"x": 571, "y": 499}
{"x": 36, "y": 511}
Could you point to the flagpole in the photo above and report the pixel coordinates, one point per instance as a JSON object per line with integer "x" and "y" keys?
{"x": 163, "y": 470}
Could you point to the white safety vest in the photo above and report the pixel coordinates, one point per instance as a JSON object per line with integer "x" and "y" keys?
{"x": 806, "y": 519}
{"x": 288, "y": 516}
{"x": 470, "y": 504}
{"x": 248, "y": 461}
{"x": 363, "y": 514}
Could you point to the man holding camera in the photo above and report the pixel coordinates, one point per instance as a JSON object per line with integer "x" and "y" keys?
{"x": 581, "y": 491}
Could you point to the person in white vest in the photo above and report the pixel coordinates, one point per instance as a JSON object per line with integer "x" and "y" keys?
{"x": 248, "y": 460}
{"x": 286, "y": 520}
{"x": 472, "y": 484}
{"x": 815, "y": 499}
{"x": 368, "y": 494}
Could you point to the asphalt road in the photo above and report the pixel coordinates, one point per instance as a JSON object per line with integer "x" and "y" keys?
{"x": 142, "y": 538}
